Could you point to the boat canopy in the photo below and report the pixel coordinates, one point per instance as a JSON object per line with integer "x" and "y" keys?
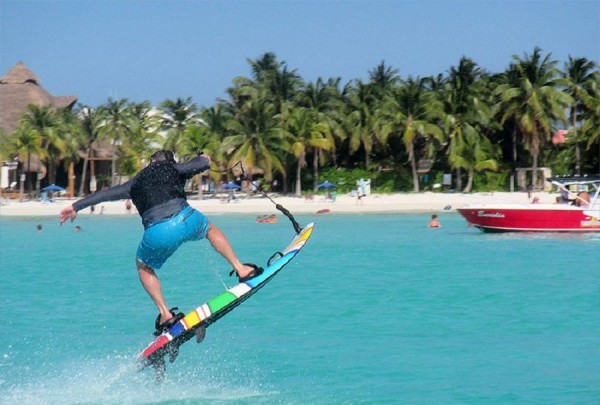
{"x": 567, "y": 180}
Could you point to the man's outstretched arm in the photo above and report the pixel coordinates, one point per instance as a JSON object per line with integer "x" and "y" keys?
{"x": 120, "y": 192}
{"x": 195, "y": 166}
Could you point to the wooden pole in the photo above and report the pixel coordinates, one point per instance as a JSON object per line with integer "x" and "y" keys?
{"x": 71, "y": 180}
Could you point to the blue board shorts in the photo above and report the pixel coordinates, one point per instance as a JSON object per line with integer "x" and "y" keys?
{"x": 162, "y": 239}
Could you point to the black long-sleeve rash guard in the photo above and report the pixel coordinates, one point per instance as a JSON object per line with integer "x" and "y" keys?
{"x": 157, "y": 190}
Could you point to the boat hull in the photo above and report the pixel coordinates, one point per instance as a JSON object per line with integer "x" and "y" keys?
{"x": 527, "y": 218}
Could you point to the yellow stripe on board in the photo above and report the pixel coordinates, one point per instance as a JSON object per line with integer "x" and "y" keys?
{"x": 305, "y": 235}
{"x": 192, "y": 319}
{"x": 300, "y": 240}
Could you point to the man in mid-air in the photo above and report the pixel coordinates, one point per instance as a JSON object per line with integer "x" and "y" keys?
{"x": 158, "y": 193}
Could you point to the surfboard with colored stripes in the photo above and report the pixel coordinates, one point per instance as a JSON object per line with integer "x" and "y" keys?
{"x": 203, "y": 316}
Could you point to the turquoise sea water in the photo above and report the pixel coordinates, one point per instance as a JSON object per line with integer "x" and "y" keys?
{"x": 377, "y": 309}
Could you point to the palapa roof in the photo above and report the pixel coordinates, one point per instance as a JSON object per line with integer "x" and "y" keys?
{"x": 21, "y": 87}
{"x": 101, "y": 150}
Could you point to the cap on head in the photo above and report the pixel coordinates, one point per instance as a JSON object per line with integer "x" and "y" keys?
{"x": 163, "y": 155}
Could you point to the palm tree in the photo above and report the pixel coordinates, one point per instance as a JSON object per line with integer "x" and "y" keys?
{"x": 321, "y": 96}
{"x": 383, "y": 79}
{"x": 91, "y": 121}
{"x": 254, "y": 138}
{"x": 535, "y": 101}
{"x": 476, "y": 154}
{"x": 360, "y": 122}
{"x": 506, "y": 109}
{"x": 465, "y": 114}
{"x": 114, "y": 128}
{"x": 71, "y": 142}
{"x": 264, "y": 66}
{"x": 141, "y": 137}
{"x": 214, "y": 121}
{"x": 275, "y": 77}
{"x": 44, "y": 122}
{"x": 5, "y": 150}
{"x": 177, "y": 115}
{"x": 306, "y": 131}
{"x": 591, "y": 121}
{"x": 200, "y": 138}
{"x": 409, "y": 112}
{"x": 326, "y": 99}
{"x": 25, "y": 142}
{"x": 579, "y": 75}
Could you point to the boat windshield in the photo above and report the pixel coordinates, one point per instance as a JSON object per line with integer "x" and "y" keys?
{"x": 590, "y": 185}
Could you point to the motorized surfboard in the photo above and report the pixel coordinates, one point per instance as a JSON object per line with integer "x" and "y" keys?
{"x": 195, "y": 322}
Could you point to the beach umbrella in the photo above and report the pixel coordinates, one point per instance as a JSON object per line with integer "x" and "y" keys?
{"x": 326, "y": 184}
{"x": 53, "y": 187}
{"x": 231, "y": 186}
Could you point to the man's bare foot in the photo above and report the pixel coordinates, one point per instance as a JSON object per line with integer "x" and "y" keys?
{"x": 246, "y": 271}
{"x": 165, "y": 317}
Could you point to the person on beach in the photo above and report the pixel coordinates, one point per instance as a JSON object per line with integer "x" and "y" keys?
{"x": 434, "y": 223}
{"x": 158, "y": 193}
{"x": 583, "y": 199}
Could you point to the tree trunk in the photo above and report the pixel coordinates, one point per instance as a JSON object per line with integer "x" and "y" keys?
{"x": 22, "y": 178}
{"x": 249, "y": 184}
{"x": 577, "y": 150}
{"x": 301, "y": 163}
{"x": 71, "y": 179}
{"x": 84, "y": 171}
{"x": 458, "y": 179}
{"x": 284, "y": 186}
{"x": 29, "y": 177}
{"x": 535, "y": 150}
{"x": 316, "y": 169}
{"x": 200, "y": 192}
{"x": 38, "y": 177}
{"x": 534, "y": 169}
{"x": 113, "y": 165}
{"x": 51, "y": 171}
{"x": 413, "y": 166}
{"x": 93, "y": 175}
{"x": 469, "y": 186}
{"x": 514, "y": 156}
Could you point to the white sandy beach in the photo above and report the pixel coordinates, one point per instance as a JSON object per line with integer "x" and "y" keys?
{"x": 427, "y": 202}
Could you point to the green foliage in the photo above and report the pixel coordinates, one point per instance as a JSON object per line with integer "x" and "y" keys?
{"x": 491, "y": 181}
{"x": 301, "y": 133}
{"x": 387, "y": 182}
{"x": 344, "y": 179}
{"x": 381, "y": 182}
{"x": 563, "y": 162}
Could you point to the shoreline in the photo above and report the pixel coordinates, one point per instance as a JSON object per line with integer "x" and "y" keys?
{"x": 426, "y": 202}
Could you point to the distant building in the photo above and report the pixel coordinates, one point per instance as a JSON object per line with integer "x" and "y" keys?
{"x": 19, "y": 88}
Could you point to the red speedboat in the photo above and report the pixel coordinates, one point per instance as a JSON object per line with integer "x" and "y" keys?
{"x": 580, "y": 214}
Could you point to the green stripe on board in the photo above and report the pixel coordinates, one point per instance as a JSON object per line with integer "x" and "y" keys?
{"x": 221, "y": 301}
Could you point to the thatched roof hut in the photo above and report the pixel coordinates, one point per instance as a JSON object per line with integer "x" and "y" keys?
{"x": 19, "y": 88}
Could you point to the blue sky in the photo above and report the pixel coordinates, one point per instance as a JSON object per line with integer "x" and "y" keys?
{"x": 154, "y": 50}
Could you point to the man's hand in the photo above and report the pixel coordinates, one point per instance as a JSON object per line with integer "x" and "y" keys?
{"x": 68, "y": 213}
